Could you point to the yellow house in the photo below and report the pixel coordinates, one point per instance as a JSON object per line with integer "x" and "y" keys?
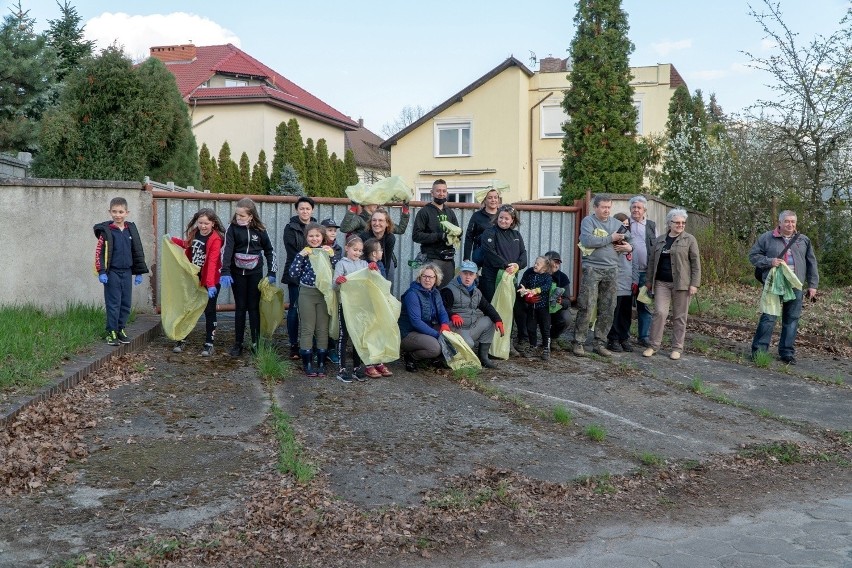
{"x": 233, "y": 96}
{"x": 505, "y": 128}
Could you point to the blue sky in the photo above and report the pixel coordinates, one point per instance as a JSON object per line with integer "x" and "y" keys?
{"x": 369, "y": 59}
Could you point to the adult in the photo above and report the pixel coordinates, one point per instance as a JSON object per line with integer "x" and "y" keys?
{"x": 357, "y": 218}
{"x": 618, "y": 338}
{"x": 502, "y": 249}
{"x": 474, "y": 318}
{"x": 481, "y": 220}
{"x": 382, "y": 228}
{"x": 674, "y": 275}
{"x": 559, "y": 318}
{"x": 644, "y": 233}
{"x": 422, "y": 317}
{"x": 432, "y": 236}
{"x": 600, "y": 244}
{"x": 765, "y": 255}
{"x": 294, "y": 242}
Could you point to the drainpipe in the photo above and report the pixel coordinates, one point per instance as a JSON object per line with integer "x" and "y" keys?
{"x": 536, "y": 105}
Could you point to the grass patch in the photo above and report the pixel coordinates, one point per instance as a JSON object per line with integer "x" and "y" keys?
{"x": 781, "y": 452}
{"x": 601, "y": 484}
{"x": 762, "y": 359}
{"x": 34, "y": 342}
{"x": 269, "y": 364}
{"x": 836, "y": 380}
{"x": 562, "y": 415}
{"x": 457, "y": 499}
{"x": 698, "y": 387}
{"x": 467, "y": 373}
{"x": 738, "y": 312}
{"x": 595, "y": 432}
{"x": 703, "y": 345}
{"x": 651, "y": 459}
{"x": 290, "y": 459}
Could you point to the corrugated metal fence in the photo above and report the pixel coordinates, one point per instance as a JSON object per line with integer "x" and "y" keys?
{"x": 543, "y": 227}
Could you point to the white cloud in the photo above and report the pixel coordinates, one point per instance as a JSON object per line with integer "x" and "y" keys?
{"x": 139, "y": 33}
{"x": 664, "y": 48}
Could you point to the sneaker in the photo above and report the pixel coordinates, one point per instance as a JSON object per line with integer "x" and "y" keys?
{"x": 360, "y": 375}
{"x": 372, "y": 372}
{"x": 625, "y": 345}
{"x": 122, "y": 337}
{"x": 112, "y": 339}
{"x": 579, "y": 350}
{"x": 788, "y": 360}
{"x": 208, "y": 350}
{"x": 236, "y": 351}
{"x": 601, "y": 350}
{"x": 178, "y": 348}
{"x": 529, "y": 352}
{"x": 643, "y": 341}
{"x": 333, "y": 356}
{"x": 385, "y": 372}
{"x": 513, "y": 352}
{"x": 343, "y": 376}
{"x": 545, "y": 354}
{"x": 675, "y": 355}
{"x": 614, "y": 347}
{"x": 649, "y": 352}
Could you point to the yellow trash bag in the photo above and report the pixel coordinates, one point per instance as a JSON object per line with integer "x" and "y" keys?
{"x": 182, "y": 299}
{"x": 779, "y": 287}
{"x": 271, "y": 307}
{"x": 459, "y": 355}
{"x": 321, "y": 263}
{"x": 371, "y": 314}
{"x": 387, "y": 190}
{"x": 453, "y": 233}
{"x": 503, "y": 301}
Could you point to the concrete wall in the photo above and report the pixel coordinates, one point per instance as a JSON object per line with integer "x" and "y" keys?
{"x": 10, "y": 166}
{"x": 48, "y": 246}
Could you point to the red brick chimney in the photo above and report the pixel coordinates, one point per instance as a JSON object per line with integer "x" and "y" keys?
{"x": 552, "y": 65}
{"x": 171, "y": 53}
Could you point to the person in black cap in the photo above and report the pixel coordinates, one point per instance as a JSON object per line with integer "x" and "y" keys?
{"x": 331, "y": 227}
{"x": 559, "y": 318}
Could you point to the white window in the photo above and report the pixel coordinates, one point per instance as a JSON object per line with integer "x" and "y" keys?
{"x": 552, "y": 119}
{"x": 637, "y": 104}
{"x": 549, "y": 180}
{"x": 452, "y": 138}
{"x": 235, "y": 83}
{"x": 453, "y": 195}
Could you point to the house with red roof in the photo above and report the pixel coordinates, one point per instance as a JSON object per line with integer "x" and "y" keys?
{"x": 234, "y": 97}
{"x": 371, "y": 161}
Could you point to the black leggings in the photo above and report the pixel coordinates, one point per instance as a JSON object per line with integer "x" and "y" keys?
{"x": 210, "y": 318}
{"x": 538, "y": 317}
{"x": 246, "y": 299}
{"x": 342, "y": 340}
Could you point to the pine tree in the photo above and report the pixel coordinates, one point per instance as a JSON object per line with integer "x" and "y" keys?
{"x": 208, "y": 177}
{"x": 339, "y": 177}
{"x": 294, "y": 148}
{"x": 289, "y": 183}
{"x": 278, "y": 159}
{"x": 260, "y": 175}
{"x": 65, "y": 36}
{"x": 229, "y": 174}
{"x": 350, "y": 168}
{"x": 325, "y": 172}
{"x": 311, "y": 182}
{"x": 26, "y": 77}
{"x": 600, "y": 149}
{"x": 245, "y": 174}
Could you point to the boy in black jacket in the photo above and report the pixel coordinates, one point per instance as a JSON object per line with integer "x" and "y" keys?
{"x": 120, "y": 264}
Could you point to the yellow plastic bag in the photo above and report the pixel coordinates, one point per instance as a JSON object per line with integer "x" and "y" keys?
{"x": 464, "y": 357}
{"x": 453, "y": 233}
{"x": 182, "y": 299}
{"x": 271, "y": 307}
{"x": 371, "y": 313}
{"x": 503, "y": 301}
{"x": 321, "y": 263}
{"x": 386, "y": 190}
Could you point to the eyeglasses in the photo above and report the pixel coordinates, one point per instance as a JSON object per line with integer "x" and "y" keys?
{"x": 428, "y": 276}
{"x": 506, "y": 208}
{"x": 678, "y": 222}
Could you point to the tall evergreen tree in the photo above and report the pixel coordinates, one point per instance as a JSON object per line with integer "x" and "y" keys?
{"x": 229, "y": 173}
{"x": 350, "y": 168}
{"x": 208, "y": 175}
{"x": 600, "y": 149}
{"x": 260, "y": 175}
{"x": 325, "y": 171}
{"x": 311, "y": 181}
{"x": 686, "y": 148}
{"x": 289, "y": 183}
{"x": 294, "y": 148}
{"x": 278, "y": 159}
{"x": 681, "y": 112}
{"x": 65, "y": 36}
{"x": 26, "y": 76}
{"x": 245, "y": 174}
{"x": 339, "y": 175}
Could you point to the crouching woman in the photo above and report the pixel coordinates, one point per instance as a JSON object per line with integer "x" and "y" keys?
{"x": 422, "y": 318}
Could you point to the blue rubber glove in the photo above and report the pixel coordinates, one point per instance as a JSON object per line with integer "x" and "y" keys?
{"x": 226, "y": 281}
{"x": 137, "y": 280}
{"x": 271, "y": 279}
{"x": 211, "y": 292}
{"x": 103, "y": 278}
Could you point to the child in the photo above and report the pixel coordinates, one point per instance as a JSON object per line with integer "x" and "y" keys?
{"x": 535, "y": 291}
{"x": 119, "y": 260}
{"x": 203, "y": 244}
{"x": 245, "y": 240}
{"x": 313, "y": 310}
{"x": 354, "y": 249}
{"x": 331, "y": 227}
{"x": 373, "y": 253}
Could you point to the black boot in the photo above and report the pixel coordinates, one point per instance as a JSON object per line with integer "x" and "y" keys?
{"x": 307, "y": 363}
{"x": 545, "y": 353}
{"x": 483, "y": 356}
{"x": 410, "y": 365}
{"x": 322, "y": 355}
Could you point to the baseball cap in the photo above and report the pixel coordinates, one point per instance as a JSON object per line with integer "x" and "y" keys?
{"x": 469, "y": 266}
{"x": 553, "y": 255}
{"x": 329, "y": 223}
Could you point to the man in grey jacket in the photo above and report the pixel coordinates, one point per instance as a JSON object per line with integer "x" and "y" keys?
{"x": 644, "y": 233}
{"x": 601, "y": 240}
{"x": 800, "y": 257}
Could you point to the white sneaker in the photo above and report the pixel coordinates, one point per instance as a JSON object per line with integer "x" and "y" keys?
{"x": 649, "y": 352}
{"x": 675, "y": 355}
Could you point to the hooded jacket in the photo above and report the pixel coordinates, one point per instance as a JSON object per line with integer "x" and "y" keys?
{"x": 105, "y": 246}
{"x": 429, "y": 233}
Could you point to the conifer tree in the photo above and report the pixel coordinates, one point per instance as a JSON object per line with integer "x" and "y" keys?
{"x": 278, "y": 159}
{"x": 208, "y": 177}
{"x": 325, "y": 171}
{"x": 311, "y": 181}
{"x": 600, "y": 149}
{"x": 229, "y": 173}
{"x": 294, "y": 148}
{"x": 350, "y": 169}
{"x": 289, "y": 183}
{"x": 260, "y": 175}
{"x": 65, "y": 36}
{"x": 245, "y": 174}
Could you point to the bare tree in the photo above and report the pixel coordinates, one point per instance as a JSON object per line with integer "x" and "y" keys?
{"x": 407, "y": 116}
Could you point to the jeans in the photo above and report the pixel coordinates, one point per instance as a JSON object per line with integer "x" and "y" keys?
{"x": 117, "y": 296}
{"x": 643, "y": 316}
{"x": 790, "y": 313}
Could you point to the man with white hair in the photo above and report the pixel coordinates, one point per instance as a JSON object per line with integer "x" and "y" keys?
{"x": 644, "y": 233}
{"x": 783, "y": 245}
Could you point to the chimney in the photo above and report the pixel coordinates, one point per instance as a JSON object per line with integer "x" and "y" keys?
{"x": 360, "y": 123}
{"x": 552, "y": 65}
{"x": 173, "y": 53}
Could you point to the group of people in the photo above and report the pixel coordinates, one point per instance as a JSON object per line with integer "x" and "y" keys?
{"x": 623, "y": 260}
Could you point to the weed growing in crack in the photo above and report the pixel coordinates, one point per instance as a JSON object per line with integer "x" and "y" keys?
{"x": 782, "y": 452}
{"x": 595, "y": 432}
{"x": 762, "y": 359}
{"x": 290, "y": 458}
{"x": 467, "y": 373}
{"x": 270, "y": 366}
{"x": 651, "y": 460}
{"x": 697, "y": 386}
{"x": 562, "y": 415}
{"x": 601, "y": 484}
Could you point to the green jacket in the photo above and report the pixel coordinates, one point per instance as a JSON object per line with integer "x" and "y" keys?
{"x": 686, "y": 262}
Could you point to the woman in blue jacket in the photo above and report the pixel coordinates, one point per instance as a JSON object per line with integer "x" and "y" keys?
{"x": 423, "y": 317}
